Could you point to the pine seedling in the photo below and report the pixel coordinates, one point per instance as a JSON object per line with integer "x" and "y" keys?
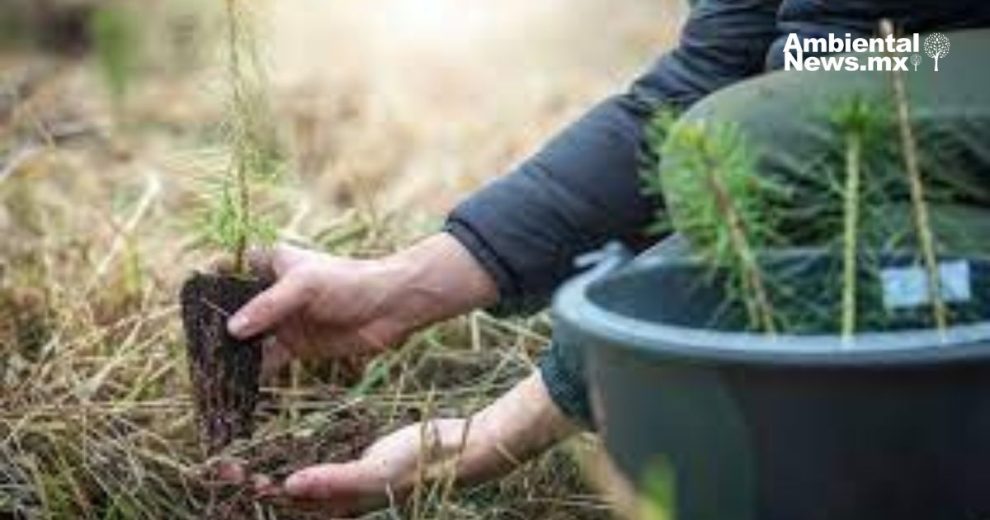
{"x": 912, "y": 170}
{"x": 225, "y": 370}
{"x": 656, "y": 131}
{"x": 233, "y": 222}
{"x": 857, "y": 121}
{"x": 720, "y": 205}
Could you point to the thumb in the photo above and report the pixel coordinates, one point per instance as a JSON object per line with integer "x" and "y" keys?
{"x": 268, "y": 308}
{"x": 346, "y": 485}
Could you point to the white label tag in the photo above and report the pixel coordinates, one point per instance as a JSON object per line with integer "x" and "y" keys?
{"x": 905, "y": 287}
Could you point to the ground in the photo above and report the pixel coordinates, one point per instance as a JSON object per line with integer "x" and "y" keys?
{"x": 392, "y": 111}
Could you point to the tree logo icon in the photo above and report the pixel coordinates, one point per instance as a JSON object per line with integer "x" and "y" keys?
{"x": 936, "y": 47}
{"x": 916, "y": 60}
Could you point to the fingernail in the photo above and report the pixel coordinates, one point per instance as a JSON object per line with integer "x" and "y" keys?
{"x": 230, "y": 471}
{"x": 294, "y": 485}
{"x": 264, "y": 486}
{"x": 238, "y": 325}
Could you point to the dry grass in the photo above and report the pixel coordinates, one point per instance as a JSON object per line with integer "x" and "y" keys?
{"x": 387, "y": 130}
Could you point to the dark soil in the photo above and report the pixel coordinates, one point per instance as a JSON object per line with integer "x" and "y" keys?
{"x": 224, "y": 371}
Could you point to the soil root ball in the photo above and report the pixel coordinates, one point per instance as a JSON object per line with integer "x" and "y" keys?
{"x": 224, "y": 371}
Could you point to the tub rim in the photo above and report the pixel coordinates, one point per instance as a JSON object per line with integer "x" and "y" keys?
{"x": 573, "y": 309}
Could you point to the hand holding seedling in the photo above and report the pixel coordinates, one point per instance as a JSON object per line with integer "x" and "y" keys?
{"x": 322, "y": 306}
{"x": 315, "y": 305}
{"x": 325, "y": 306}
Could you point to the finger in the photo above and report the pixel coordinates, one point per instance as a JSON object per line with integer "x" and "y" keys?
{"x": 343, "y": 484}
{"x": 229, "y": 471}
{"x": 275, "y": 356}
{"x": 286, "y": 256}
{"x": 348, "y": 343}
{"x": 260, "y": 261}
{"x": 269, "y": 308}
{"x": 273, "y": 262}
{"x": 221, "y": 264}
{"x": 265, "y": 487}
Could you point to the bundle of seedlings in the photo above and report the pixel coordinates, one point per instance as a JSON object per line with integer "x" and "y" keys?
{"x": 224, "y": 370}
{"x": 845, "y": 246}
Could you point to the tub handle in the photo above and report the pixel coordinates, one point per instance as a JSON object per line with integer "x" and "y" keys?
{"x": 604, "y": 261}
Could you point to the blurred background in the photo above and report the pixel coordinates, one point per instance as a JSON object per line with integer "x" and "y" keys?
{"x": 388, "y": 102}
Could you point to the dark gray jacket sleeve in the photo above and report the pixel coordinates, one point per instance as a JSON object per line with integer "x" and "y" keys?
{"x": 583, "y": 188}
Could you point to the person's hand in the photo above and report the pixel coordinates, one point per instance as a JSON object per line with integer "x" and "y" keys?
{"x": 325, "y": 306}
{"x": 387, "y": 471}
{"x": 518, "y": 426}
